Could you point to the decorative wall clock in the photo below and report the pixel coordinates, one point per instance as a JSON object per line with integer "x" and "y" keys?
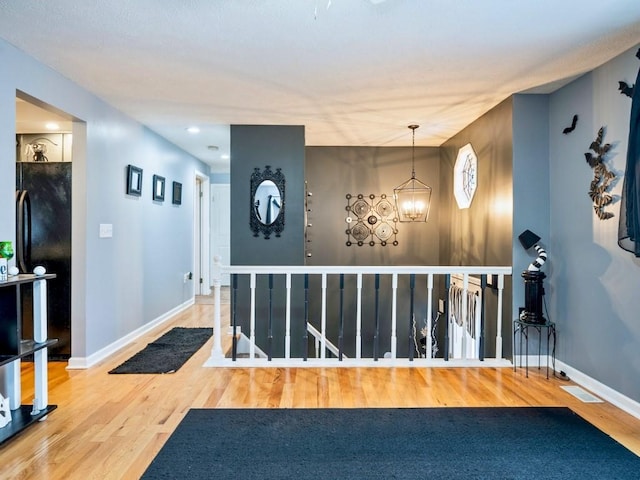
{"x": 465, "y": 176}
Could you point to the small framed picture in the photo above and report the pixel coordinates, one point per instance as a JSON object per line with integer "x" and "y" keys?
{"x": 158, "y": 188}
{"x": 177, "y": 193}
{"x": 134, "y": 180}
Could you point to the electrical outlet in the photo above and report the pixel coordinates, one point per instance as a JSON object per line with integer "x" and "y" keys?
{"x": 186, "y": 277}
{"x": 441, "y": 305}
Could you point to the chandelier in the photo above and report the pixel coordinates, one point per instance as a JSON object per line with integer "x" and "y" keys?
{"x": 413, "y": 198}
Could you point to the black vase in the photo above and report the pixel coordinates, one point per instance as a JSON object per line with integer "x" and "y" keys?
{"x": 533, "y": 292}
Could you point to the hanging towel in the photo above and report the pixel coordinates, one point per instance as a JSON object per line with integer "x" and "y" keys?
{"x": 629, "y": 223}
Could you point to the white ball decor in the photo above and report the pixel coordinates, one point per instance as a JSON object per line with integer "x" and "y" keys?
{"x": 39, "y": 270}
{"x": 13, "y": 271}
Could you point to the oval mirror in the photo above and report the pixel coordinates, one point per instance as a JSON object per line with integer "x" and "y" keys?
{"x": 267, "y": 202}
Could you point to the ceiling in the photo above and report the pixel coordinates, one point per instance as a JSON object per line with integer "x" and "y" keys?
{"x": 354, "y": 72}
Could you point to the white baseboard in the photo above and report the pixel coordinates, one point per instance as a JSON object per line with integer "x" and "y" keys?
{"x": 600, "y": 389}
{"x": 81, "y": 363}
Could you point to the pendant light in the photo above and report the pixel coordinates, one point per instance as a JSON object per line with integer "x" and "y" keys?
{"x": 413, "y": 198}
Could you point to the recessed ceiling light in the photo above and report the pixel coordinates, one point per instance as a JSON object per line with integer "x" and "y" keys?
{"x": 224, "y": 156}
{"x": 213, "y": 148}
{"x": 52, "y": 126}
{"x": 193, "y": 129}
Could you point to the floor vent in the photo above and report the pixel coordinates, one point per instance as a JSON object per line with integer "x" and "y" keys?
{"x": 582, "y": 394}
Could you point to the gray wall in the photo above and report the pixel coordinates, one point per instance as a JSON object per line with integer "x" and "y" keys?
{"x": 593, "y": 282}
{"x": 481, "y": 234}
{"x": 279, "y": 147}
{"x": 530, "y": 185}
{"x": 255, "y": 147}
{"x": 333, "y": 172}
{"x": 121, "y": 283}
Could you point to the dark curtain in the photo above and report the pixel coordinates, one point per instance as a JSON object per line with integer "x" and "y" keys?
{"x": 629, "y": 226}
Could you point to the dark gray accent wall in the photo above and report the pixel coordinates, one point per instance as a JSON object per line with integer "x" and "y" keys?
{"x": 482, "y": 233}
{"x": 256, "y": 147}
{"x": 334, "y": 172}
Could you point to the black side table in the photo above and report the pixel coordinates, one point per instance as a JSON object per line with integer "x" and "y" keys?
{"x": 522, "y": 328}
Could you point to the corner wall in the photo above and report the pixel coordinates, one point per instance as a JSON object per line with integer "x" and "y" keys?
{"x": 136, "y": 276}
{"x": 256, "y": 146}
{"x": 481, "y": 235}
{"x": 593, "y": 282}
{"x": 334, "y": 172}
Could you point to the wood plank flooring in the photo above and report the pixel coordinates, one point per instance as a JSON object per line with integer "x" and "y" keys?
{"x": 112, "y": 426}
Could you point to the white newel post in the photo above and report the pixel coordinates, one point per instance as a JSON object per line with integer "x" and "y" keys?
{"x": 216, "y": 351}
{"x": 40, "y": 335}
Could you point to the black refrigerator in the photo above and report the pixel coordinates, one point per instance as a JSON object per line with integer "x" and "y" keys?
{"x": 43, "y": 237}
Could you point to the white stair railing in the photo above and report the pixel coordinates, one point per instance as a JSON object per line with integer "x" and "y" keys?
{"x": 321, "y": 339}
{"x": 217, "y": 358}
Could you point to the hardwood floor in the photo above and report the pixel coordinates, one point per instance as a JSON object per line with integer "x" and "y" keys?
{"x": 112, "y": 426}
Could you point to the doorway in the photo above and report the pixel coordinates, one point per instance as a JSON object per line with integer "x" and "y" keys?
{"x": 221, "y": 226}
{"x": 201, "y": 254}
{"x": 44, "y": 144}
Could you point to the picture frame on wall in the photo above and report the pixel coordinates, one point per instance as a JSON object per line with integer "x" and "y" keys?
{"x": 134, "y": 180}
{"x": 177, "y": 193}
{"x": 158, "y": 188}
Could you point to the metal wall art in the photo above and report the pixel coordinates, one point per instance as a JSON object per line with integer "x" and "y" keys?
{"x": 624, "y": 87}
{"x": 602, "y": 177}
{"x": 371, "y": 220}
{"x": 266, "y": 213}
{"x": 571, "y": 127}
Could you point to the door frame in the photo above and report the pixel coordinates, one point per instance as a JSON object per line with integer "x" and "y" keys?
{"x": 201, "y": 235}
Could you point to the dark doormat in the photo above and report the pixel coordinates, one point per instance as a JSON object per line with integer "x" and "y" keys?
{"x": 168, "y": 353}
{"x": 408, "y": 443}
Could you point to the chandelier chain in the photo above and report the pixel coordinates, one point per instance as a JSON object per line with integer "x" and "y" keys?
{"x": 413, "y": 150}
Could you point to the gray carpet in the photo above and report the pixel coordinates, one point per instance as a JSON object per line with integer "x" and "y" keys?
{"x": 430, "y": 443}
{"x": 168, "y": 353}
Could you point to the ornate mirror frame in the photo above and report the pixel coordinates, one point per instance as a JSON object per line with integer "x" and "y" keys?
{"x": 277, "y": 226}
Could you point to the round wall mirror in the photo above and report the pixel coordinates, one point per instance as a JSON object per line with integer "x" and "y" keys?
{"x": 267, "y": 202}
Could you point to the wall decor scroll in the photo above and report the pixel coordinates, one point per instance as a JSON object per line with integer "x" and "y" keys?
{"x": 602, "y": 177}
{"x": 371, "y": 220}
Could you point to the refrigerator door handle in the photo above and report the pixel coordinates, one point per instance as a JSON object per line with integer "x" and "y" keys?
{"x": 23, "y": 230}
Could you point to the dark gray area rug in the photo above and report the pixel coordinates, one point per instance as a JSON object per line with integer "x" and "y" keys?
{"x": 168, "y": 353}
{"x": 430, "y": 443}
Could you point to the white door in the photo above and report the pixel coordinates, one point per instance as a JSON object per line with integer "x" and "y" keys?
{"x": 197, "y": 236}
{"x": 221, "y": 225}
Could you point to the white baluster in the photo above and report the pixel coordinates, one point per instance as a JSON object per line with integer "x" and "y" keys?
{"x": 216, "y": 349}
{"x": 323, "y": 328}
{"x": 287, "y": 332}
{"x": 499, "y": 318}
{"x": 359, "y": 316}
{"x": 252, "y": 343}
{"x": 427, "y": 339}
{"x": 394, "y": 318}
